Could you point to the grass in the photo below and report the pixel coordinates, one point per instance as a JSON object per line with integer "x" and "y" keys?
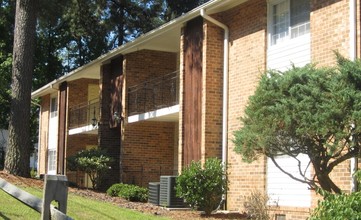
{"x": 11, "y": 208}
{"x": 78, "y": 208}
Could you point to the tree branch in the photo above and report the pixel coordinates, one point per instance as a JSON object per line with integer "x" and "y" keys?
{"x": 292, "y": 176}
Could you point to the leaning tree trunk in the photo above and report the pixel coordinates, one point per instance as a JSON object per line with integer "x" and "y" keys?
{"x": 18, "y": 151}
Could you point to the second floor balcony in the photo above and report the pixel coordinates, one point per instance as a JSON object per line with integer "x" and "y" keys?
{"x": 155, "y": 94}
{"x": 84, "y": 117}
{"x": 156, "y": 99}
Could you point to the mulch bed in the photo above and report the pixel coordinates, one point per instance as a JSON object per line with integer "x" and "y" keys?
{"x": 141, "y": 207}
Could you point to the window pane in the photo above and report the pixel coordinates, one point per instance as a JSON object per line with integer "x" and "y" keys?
{"x": 51, "y": 160}
{"x": 53, "y": 108}
{"x": 280, "y": 15}
{"x": 300, "y": 17}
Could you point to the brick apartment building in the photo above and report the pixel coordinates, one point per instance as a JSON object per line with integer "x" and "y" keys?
{"x": 176, "y": 94}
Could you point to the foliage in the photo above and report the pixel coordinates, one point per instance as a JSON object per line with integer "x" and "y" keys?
{"x": 178, "y": 7}
{"x": 7, "y": 17}
{"x": 358, "y": 175}
{"x": 129, "y": 19}
{"x": 85, "y": 31}
{"x": 33, "y": 173}
{"x": 5, "y": 69}
{"x": 71, "y": 33}
{"x": 202, "y": 188}
{"x": 256, "y": 206}
{"x": 93, "y": 162}
{"x": 308, "y": 110}
{"x": 338, "y": 207}
{"x": 129, "y": 192}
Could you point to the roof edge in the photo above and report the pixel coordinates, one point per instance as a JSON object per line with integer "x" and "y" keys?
{"x": 141, "y": 39}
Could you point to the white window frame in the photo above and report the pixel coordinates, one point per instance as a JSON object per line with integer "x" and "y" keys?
{"x": 290, "y": 29}
{"x": 53, "y": 107}
{"x": 52, "y": 157}
{"x": 53, "y": 135}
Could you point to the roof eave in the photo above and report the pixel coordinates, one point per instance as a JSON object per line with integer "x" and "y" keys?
{"x": 138, "y": 41}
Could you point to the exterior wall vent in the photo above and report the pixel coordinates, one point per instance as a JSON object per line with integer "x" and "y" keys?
{"x": 167, "y": 195}
{"x": 280, "y": 217}
{"x": 153, "y": 196}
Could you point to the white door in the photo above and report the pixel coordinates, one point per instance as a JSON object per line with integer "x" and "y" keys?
{"x": 53, "y": 135}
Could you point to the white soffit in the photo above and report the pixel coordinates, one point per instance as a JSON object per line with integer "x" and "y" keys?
{"x": 164, "y": 38}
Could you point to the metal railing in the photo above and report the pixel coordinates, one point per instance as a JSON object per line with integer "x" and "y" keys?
{"x": 154, "y": 94}
{"x": 84, "y": 114}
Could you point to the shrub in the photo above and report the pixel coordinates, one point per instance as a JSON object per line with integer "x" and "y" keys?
{"x": 114, "y": 190}
{"x": 129, "y": 192}
{"x": 93, "y": 162}
{"x": 256, "y": 206}
{"x": 202, "y": 188}
{"x": 338, "y": 207}
{"x": 33, "y": 173}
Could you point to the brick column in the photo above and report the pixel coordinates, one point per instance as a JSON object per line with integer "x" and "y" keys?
{"x": 108, "y": 134}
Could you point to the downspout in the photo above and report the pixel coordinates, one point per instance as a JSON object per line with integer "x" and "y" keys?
{"x": 354, "y": 160}
{"x": 225, "y": 88}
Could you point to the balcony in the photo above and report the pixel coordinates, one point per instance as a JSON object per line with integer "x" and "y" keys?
{"x": 154, "y": 98}
{"x": 83, "y": 118}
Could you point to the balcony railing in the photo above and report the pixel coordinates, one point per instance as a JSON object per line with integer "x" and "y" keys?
{"x": 84, "y": 114}
{"x": 155, "y": 94}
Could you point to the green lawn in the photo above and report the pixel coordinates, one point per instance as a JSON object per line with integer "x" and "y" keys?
{"x": 78, "y": 208}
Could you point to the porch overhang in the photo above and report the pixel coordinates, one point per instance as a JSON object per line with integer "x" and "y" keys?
{"x": 170, "y": 114}
{"x": 87, "y": 129}
{"x": 163, "y": 38}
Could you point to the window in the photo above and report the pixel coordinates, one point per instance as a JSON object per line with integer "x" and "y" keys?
{"x": 51, "y": 161}
{"x": 53, "y": 107}
{"x": 289, "y": 19}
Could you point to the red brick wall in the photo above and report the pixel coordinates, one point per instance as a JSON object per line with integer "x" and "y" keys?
{"x": 43, "y": 132}
{"x": 147, "y": 147}
{"x": 181, "y": 102}
{"x": 248, "y": 25}
{"x": 329, "y": 30}
{"x": 147, "y": 152}
{"x": 145, "y": 65}
{"x": 78, "y": 91}
{"x": 212, "y": 91}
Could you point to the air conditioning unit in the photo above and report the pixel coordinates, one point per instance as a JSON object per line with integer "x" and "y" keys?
{"x": 153, "y": 196}
{"x": 167, "y": 195}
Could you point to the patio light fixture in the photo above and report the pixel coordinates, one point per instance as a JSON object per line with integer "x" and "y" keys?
{"x": 117, "y": 117}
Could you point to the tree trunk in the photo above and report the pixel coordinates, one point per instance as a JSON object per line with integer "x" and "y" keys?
{"x": 327, "y": 184}
{"x": 18, "y": 152}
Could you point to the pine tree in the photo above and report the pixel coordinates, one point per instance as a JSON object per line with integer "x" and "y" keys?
{"x": 17, "y": 155}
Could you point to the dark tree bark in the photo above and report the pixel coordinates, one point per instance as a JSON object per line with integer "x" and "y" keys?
{"x": 17, "y": 155}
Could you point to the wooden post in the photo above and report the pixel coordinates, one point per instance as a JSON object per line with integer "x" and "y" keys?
{"x": 55, "y": 188}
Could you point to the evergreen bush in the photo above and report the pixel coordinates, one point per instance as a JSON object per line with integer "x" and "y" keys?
{"x": 129, "y": 192}
{"x": 93, "y": 162}
{"x": 202, "y": 188}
